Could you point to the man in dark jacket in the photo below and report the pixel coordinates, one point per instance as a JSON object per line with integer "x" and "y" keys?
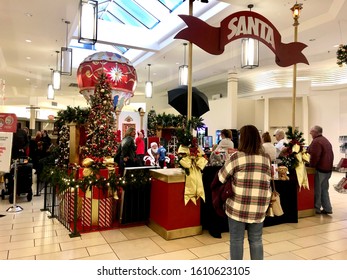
{"x": 321, "y": 158}
{"x": 19, "y": 143}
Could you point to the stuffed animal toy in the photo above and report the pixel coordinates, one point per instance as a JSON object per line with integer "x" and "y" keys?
{"x": 282, "y": 173}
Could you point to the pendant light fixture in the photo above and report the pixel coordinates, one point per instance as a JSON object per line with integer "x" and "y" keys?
{"x": 183, "y": 70}
{"x": 66, "y": 56}
{"x": 249, "y": 51}
{"x": 50, "y": 92}
{"x": 88, "y": 24}
{"x": 56, "y": 81}
{"x": 149, "y": 84}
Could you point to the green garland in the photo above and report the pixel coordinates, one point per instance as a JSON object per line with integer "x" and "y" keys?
{"x": 289, "y": 158}
{"x": 72, "y": 114}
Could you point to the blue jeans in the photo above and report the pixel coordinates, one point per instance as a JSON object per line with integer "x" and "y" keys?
{"x": 321, "y": 191}
{"x": 237, "y": 233}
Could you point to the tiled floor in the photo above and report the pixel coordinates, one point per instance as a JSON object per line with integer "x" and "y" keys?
{"x": 31, "y": 235}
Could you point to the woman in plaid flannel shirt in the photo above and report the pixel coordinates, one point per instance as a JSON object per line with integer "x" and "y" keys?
{"x": 246, "y": 209}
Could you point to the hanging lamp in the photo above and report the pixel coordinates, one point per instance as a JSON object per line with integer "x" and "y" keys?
{"x": 56, "y": 79}
{"x": 183, "y": 70}
{"x": 249, "y": 51}
{"x": 88, "y": 22}
{"x": 66, "y": 56}
{"x": 149, "y": 84}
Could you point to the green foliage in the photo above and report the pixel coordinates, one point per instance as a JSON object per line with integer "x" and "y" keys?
{"x": 72, "y": 114}
{"x": 341, "y": 55}
{"x": 289, "y": 156}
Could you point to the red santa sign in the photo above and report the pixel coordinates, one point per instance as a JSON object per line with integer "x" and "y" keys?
{"x": 245, "y": 24}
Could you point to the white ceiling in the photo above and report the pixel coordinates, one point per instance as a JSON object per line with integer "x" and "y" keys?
{"x": 322, "y": 26}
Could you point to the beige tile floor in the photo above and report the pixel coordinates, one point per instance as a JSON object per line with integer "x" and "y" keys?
{"x": 32, "y": 235}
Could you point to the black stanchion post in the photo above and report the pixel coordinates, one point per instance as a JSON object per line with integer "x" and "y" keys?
{"x": 53, "y": 202}
{"x": 45, "y": 199}
{"x": 37, "y": 184}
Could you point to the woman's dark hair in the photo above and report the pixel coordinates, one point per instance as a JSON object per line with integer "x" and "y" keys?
{"x": 266, "y": 137}
{"x": 250, "y": 141}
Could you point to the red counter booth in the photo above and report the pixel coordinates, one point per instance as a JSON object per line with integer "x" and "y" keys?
{"x": 169, "y": 216}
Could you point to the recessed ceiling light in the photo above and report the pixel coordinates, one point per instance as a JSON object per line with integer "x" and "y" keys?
{"x": 28, "y": 40}
{"x": 28, "y": 57}
{"x": 27, "y": 79}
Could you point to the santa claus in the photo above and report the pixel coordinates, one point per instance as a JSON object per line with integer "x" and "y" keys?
{"x": 152, "y": 156}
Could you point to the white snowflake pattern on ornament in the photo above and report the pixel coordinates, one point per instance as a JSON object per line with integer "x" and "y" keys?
{"x": 116, "y": 74}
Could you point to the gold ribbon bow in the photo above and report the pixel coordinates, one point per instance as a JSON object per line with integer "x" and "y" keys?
{"x": 109, "y": 163}
{"x": 87, "y": 163}
{"x": 194, "y": 188}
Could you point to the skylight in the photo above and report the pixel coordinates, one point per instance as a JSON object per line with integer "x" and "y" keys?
{"x": 140, "y": 13}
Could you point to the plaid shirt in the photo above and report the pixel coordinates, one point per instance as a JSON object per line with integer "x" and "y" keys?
{"x": 251, "y": 176}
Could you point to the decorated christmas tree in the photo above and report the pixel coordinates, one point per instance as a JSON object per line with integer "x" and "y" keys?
{"x": 64, "y": 146}
{"x": 101, "y": 142}
{"x": 152, "y": 123}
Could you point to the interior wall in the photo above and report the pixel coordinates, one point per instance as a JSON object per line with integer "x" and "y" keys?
{"x": 325, "y": 111}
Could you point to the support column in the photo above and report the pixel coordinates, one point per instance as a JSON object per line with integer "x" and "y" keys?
{"x": 232, "y": 97}
{"x": 74, "y": 143}
{"x": 142, "y": 113}
{"x": 266, "y": 114}
{"x": 305, "y": 114}
{"x": 32, "y": 118}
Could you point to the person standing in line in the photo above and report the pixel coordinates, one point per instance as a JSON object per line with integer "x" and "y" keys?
{"x": 269, "y": 148}
{"x": 250, "y": 170}
{"x": 226, "y": 144}
{"x": 279, "y": 135}
{"x": 140, "y": 148}
{"x": 128, "y": 151}
{"x": 19, "y": 142}
{"x": 321, "y": 158}
{"x": 46, "y": 140}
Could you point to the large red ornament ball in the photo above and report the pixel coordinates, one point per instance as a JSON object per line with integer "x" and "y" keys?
{"x": 121, "y": 76}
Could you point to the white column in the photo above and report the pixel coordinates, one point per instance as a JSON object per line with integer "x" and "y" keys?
{"x": 232, "y": 96}
{"x": 32, "y": 118}
{"x": 266, "y": 114}
{"x": 305, "y": 114}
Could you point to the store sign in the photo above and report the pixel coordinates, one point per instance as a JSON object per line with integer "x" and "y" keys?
{"x": 8, "y": 122}
{"x": 5, "y": 151}
{"x": 245, "y": 24}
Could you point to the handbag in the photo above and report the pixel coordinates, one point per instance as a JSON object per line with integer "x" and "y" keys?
{"x": 220, "y": 193}
{"x": 275, "y": 208}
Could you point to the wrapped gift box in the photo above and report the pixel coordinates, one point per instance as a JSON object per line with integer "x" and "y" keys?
{"x": 67, "y": 205}
{"x": 306, "y": 197}
{"x": 97, "y": 204}
{"x": 169, "y": 216}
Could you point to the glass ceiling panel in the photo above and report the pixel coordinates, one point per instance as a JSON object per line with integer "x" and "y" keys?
{"x": 171, "y": 4}
{"x": 127, "y": 12}
{"x": 135, "y": 12}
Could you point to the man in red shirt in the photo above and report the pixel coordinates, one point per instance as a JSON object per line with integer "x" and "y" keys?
{"x": 321, "y": 158}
